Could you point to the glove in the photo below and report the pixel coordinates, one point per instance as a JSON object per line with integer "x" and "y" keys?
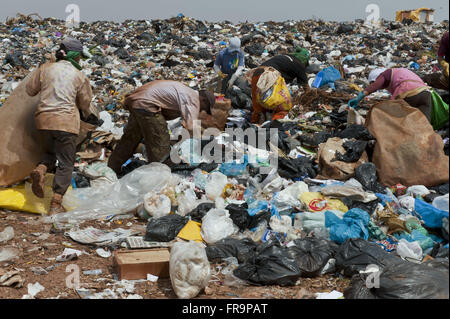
{"x": 444, "y": 66}
{"x": 354, "y": 102}
{"x": 232, "y": 80}
{"x": 222, "y": 75}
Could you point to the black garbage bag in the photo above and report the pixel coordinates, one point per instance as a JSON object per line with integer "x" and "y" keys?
{"x": 344, "y": 28}
{"x": 242, "y": 249}
{"x": 16, "y": 59}
{"x": 255, "y": 49}
{"x": 312, "y": 254}
{"x": 358, "y": 132}
{"x": 354, "y": 150}
{"x": 438, "y": 264}
{"x": 165, "y": 229}
{"x": 296, "y": 168}
{"x": 356, "y": 254}
{"x": 122, "y": 53}
{"x": 272, "y": 265}
{"x": 239, "y": 215}
{"x": 369, "y": 207}
{"x": 198, "y": 213}
{"x": 316, "y": 139}
{"x": 366, "y": 174}
{"x": 404, "y": 280}
{"x": 256, "y": 219}
{"x": 131, "y": 166}
{"x": 186, "y": 169}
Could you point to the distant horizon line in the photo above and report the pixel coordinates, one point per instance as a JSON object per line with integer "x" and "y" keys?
{"x": 205, "y": 20}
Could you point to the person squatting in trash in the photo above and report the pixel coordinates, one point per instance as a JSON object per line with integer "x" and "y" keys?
{"x": 229, "y": 64}
{"x": 440, "y": 80}
{"x": 402, "y": 84}
{"x": 291, "y": 66}
{"x": 64, "y": 91}
{"x": 150, "y": 106}
{"x": 260, "y": 108}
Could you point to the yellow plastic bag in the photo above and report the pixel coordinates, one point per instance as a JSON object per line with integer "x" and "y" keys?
{"x": 277, "y": 98}
{"x": 316, "y": 202}
{"x": 21, "y": 198}
{"x": 191, "y": 231}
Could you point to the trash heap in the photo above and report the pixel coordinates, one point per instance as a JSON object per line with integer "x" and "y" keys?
{"x": 328, "y": 206}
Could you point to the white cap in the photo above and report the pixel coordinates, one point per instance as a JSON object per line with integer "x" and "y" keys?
{"x": 235, "y": 44}
{"x": 374, "y": 74}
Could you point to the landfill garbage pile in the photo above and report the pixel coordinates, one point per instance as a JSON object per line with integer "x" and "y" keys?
{"x": 323, "y": 210}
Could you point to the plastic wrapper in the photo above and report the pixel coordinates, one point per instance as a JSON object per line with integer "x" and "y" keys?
{"x": 164, "y": 229}
{"x": 157, "y": 205}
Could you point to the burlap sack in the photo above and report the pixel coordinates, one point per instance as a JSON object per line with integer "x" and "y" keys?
{"x": 329, "y": 169}
{"x": 407, "y": 151}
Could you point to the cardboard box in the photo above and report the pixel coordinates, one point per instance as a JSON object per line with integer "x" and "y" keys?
{"x": 132, "y": 265}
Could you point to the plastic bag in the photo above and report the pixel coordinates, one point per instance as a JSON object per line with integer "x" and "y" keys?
{"x": 215, "y": 185}
{"x": 187, "y": 202}
{"x": 366, "y": 174}
{"x": 403, "y": 280}
{"x": 312, "y": 254}
{"x": 316, "y": 202}
{"x": 409, "y": 250}
{"x": 291, "y": 194}
{"x": 327, "y": 76}
{"x": 242, "y": 249}
{"x": 430, "y": 214}
{"x": 354, "y": 225}
{"x": 272, "y": 265}
{"x": 164, "y": 229}
{"x": 200, "y": 211}
{"x": 356, "y": 254}
{"x": 441, "y": 203}
{"x": 191, "y": 231}
{"x": 439, "y": 112}
{"x": 189, "y": 269}
{"x": 277, "y": 97}
{"x": 121, "y": 197}
{"x": 157, "y": 205}
{"x": 354, "y": 151}
{"x": 217, "y": 225}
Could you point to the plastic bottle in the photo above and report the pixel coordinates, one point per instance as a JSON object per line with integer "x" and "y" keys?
{"x": 441, "y": 203}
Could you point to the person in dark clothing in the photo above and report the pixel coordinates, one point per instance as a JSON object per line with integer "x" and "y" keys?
{"x": 439, "y": 80}
{"x": 290, "y": 67}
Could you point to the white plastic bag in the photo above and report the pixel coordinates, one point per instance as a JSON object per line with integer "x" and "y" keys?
{"x": 417, "y": 190}
{"x": 441, "y": 202}
{"x": 187, "y": 202}
{"x": 215, "y": 185}
{"x": 189, "y": 269}
{"x": 411, "y": 250}
{"x": 216, "y": 225}
{"x": 281, "y": 225}
{"x": 118, "y": 198}
{"x": 157, "y": 205}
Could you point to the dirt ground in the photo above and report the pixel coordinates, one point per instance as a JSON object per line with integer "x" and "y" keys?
{"x": 39, "y": 244}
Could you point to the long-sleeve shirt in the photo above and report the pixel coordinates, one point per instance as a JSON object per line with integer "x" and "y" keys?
{"x": 443, "y": 48}
{"x": 289, "y": 66}
{"x": 173, "y": 99}
{"x": 382, "y": 82}
{"x": 229, "y": 62}
{"x": 64, "y": 91}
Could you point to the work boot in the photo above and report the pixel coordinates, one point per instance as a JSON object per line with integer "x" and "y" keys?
{"x": 56, "y": 206}
{"x": 38, "y": 177}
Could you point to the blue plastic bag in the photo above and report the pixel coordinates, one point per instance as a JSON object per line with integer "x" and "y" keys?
{"x": 353, "y": 225}
{"x": 425, "y": 242}
{"x": 431, "y": 216}
{"x": 327, "y": 76}
{"x": 234, "y": 169}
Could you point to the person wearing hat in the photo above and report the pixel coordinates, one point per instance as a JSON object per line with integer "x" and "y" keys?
{"x": 402, "y": 84}
{"x": 150, "y": 106}
{"x": 291, "y": 66}
{"x": 64, "y": 91}
{"x": 229, "y": 64}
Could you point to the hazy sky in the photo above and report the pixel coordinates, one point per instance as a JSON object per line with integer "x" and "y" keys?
{"x": 214, "y": 10}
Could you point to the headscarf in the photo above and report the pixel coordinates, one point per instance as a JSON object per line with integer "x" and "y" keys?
{"x": 374, "y": 74}
{"x": 70, "y": 50}
{"x": 302, "y": 54}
